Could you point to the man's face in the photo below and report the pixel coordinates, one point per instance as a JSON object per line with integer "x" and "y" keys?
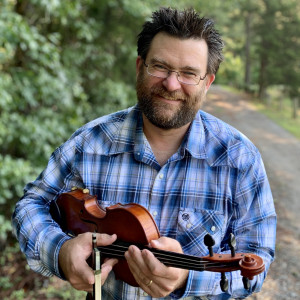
{"x": 166, "y": 102}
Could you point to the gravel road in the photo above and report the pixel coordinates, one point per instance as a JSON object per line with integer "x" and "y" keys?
{"x": 281, "y": 154}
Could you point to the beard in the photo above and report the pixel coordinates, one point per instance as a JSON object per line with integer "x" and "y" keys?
{"x": 166, "y": 115}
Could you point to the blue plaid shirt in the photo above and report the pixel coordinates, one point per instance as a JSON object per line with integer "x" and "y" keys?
{"x": 215, "y": 183}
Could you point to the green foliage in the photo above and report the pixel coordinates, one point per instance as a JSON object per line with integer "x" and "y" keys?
{"x": 230, "y": 73}
{"x": 63, "y": 63}
{"x": 17, "y": 295}
{"x": 278, "y": 29}
{"x": 66, "y": 292}
{"x": 14, "y": 174}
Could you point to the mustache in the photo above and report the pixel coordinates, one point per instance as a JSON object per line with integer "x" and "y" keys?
{"x": 160, "y": 91}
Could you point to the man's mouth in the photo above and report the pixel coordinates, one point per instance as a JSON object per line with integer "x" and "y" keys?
{"x": 169, "y": 98}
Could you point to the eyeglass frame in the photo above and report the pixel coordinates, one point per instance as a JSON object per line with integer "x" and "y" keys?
{"x": 177, "y": 75}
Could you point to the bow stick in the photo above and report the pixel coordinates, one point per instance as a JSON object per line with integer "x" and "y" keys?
{"x": 97, "y": 269}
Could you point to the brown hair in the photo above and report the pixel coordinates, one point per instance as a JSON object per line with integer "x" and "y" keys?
{"x": 184, "y": 25}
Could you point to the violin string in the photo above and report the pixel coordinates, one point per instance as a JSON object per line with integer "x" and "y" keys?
{"x": 192, "y": 261}
{"x": 164, "y": 256}
{"x": 209, "y": 266}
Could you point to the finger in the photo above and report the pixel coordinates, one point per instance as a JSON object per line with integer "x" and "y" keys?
{"x": 88, "y": 285}
{"x": 135, "y": 263}
{"x": 86, "y": 274}
{"x": 104, "y": 239}
{"x": 149, "y": 282}
{"x": 168, "y": 244}
{"x": 106, "y": 268}
{"x": 134, "y": 254}
{"x": 166, "y": 278}
{"x": 154, "y": 266}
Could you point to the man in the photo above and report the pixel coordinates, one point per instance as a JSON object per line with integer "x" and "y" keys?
{"x": 194, "y": 173}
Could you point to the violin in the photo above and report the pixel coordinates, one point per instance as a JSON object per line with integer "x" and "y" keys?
{"x": 77, "y": 212}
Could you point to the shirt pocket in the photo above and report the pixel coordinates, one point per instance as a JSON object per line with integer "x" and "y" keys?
{"x": 194, "y": 224}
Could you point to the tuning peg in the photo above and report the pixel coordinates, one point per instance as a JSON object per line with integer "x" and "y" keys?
{"x": 246, "y": 283}
{"x": 224, "y": 283}
{"x": 232, "y": 244}
{"x": 209, "y": 242}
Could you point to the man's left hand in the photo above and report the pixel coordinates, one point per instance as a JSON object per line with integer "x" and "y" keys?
{"x": 154, "y": 277}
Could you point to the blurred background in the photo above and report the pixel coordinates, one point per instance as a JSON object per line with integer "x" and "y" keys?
{"x": 64, "y": 63}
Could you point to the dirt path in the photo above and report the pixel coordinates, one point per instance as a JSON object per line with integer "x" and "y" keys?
{"x": 281, "y": 155}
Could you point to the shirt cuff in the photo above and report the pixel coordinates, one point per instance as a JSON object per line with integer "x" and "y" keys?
{"x": 50, "y": 244}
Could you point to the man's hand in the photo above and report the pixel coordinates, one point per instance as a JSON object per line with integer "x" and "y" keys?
{"x": 72, "y": 260}
{"x": 153, "y": 276}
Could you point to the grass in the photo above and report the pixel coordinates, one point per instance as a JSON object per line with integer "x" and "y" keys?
{"x": 281, "y": 115}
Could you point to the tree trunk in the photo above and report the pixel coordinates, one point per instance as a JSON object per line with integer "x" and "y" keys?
{"x": 262, "y": 78}
{"x": 295, "y": 104}
{"x": 247, "y": 52}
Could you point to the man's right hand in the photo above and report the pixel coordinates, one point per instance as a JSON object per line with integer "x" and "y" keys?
{"x": 72, "y": 260}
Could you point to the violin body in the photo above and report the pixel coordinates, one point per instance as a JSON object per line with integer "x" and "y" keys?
{"x": 78, "y": 212}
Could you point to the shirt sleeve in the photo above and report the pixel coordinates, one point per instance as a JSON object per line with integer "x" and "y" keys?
{"x": 253, "y": 222}
{"x": 39, "y": 236}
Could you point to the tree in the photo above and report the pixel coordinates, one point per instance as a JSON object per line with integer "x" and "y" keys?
{"x": 62, "y": 63}
{"x": 289, "y": 60}
{"x": 279, "y": 33}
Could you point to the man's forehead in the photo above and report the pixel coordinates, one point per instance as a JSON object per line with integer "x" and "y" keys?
{"x": 181, "y": 52}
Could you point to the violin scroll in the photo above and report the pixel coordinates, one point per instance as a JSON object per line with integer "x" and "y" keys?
{"x": 251, "y": 265}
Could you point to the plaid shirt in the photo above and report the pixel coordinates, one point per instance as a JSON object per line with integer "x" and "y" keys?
{"x": 215, "y": 183}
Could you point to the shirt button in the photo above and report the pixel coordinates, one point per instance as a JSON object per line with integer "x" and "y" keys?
{"x": 189, "y": 225}
{"x": 213, "y": 228}
{"x": 185, "y": 216}
{"x": 161, "y": 176}
{"x": 154, "y": 213}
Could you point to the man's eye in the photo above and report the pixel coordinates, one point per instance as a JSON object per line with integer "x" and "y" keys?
{"x": 189, "y": 74}
{"x": 160, "y": 67}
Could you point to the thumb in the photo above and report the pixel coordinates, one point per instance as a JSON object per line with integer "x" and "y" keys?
{"x": 87, "y": 274}
{"x": 168, "y": 244}
{"x": 156, "y": 244}
{"x": 104, "y": 239}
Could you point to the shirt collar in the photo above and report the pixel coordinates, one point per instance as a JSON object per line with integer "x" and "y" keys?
{"x": 195, "y": 139}
{"x": 130, "y": 136}
{"x": 208, "y": 138}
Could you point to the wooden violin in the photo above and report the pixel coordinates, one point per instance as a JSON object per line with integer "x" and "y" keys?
{"x": 78, "y": 212}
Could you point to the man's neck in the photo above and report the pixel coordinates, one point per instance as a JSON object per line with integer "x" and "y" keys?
{"x": 164, "y": 143}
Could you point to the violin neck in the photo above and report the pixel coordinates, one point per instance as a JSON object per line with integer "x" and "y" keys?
{"x": 170, "y": 259}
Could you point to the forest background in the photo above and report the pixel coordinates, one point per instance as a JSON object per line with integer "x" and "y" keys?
{"x": 64, "y": 63}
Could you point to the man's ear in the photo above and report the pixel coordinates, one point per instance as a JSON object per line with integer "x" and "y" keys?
{"x": 139, "y": 64}
{"x": 209, "y": 80}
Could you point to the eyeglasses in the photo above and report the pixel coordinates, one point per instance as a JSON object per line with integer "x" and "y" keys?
{"x": 185, "y": 77}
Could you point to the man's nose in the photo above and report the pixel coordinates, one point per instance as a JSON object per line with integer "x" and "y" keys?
{"x": 171, "y": 83}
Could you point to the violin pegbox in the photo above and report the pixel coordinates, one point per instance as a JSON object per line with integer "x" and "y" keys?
{"x": 245, "y": 261}
{"x": 209, "y": 242}
{"x": 249, "y": 264}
